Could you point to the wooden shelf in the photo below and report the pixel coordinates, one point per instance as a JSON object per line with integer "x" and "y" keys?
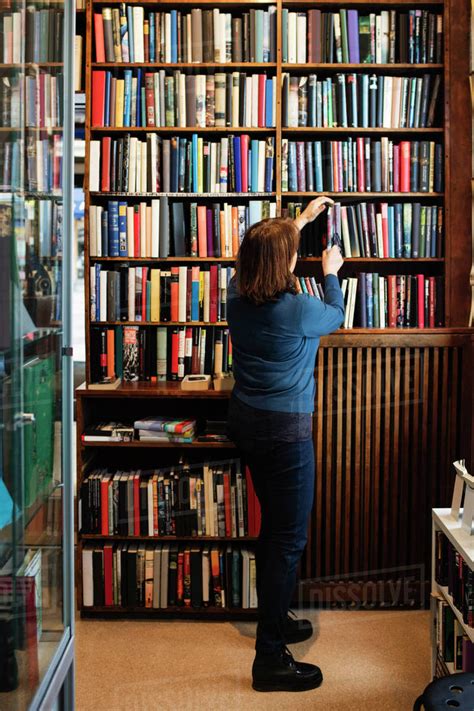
{"x": 219, "y": 613}
{"x": 183, "y": 324}
{"x": 176, "y": 539}
{"x": 168, "y": 389}
{"x": 184, "y": 65}
{"x": 301, "y": 260}
{"x": 249, "y": 196}
{"x": 181, "y": 129}
{"x": 363, "y": 195}
{"x": 372, "y": 68}
{"x": 161, "y": 445}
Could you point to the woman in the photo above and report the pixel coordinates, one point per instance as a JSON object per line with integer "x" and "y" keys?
{"x": 275, "y": 335}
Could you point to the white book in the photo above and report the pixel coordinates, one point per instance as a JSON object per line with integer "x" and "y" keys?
{"x": 182, "y": 99}
{"x": 143, "y": 166}
{"x": 222, "y": 37}
{"x": 142, "y": 209}
{"x": 292, "y": 38}
{"x": 248, "y": 102}
{"x": 382, "y": 301}
{"x": 93, "y": 231}
{"x": 385, "y": 39}
{"x": 202, "y": 350}
{"x": 273, "y": 209}
{"x": 156, "y": 577}
{"x": 138, "y": 22}
{"x": 94, "y": 166}
{"x": 17, "y": 36}
{"x": 92, "y": 293}
{"x": 132, "y": 162}
{"x": 153, "y": 151}
{"x": 87, "y": 578}
{"x": 345, "y": 232}
{"x": 396, "y": 90}
{"x": 131, "y": 294}
{"x": 387, "y": 102}
{"x": 235, "y": 99}
{"x": 103, "y": 295}
{"x": 155, "y": 228}
{"x": 165, "y": 554}
{"x": 293, "y": 108}
{"x": 214, "y": 167}
{"x": 378, "y": 223}
{"x": 261, "y": 166}
{"x": 228, "y": 235}
{"x": 182, "y": 285}
{"x": 378, "y": 39}
{"x": 201, "y": 102}
{"x": 217, "y": 39}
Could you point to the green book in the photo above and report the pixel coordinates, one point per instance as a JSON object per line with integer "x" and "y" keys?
{"x": 259, "y": 35}
{"x": 422, "y": 231}
{"x": 364, "y": 40}
{"x": 344, "y": 37}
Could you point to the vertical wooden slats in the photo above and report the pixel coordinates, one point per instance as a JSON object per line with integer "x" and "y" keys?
{"x": 386, "y": 431}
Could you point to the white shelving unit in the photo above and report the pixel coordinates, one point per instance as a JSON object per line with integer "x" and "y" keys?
{"x": 443, "y": 520}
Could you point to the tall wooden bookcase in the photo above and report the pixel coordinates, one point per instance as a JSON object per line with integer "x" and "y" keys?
{"x": 393, "y": 406}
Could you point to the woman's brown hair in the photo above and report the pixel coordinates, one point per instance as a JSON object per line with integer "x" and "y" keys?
{"x": 263, "y": 262}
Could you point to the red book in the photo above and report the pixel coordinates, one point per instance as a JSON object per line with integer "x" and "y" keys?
{"x": 136, "y": 504}
{"x": 261, "y": 100}
{"x": 360, "y": 165}
{"x": 105, "y": 176}
{"x": 136, "y": 230}
{"x": 216, "y": 577}
{"x": 104, "y": 506}
{"x": 244, "y": 161}
{"x": 227, "y": 511}
{"x": 149, "y": 99}
{"x": 213, "y": 293}
{"x": 144, "y": 282}
{"x": 420, "y": 280}
{"x": 432, "y": 300}
{"x": 174, "y": 354}
{"x": 174, "y": 293}
{"x": 108, "y": 576}
{"x": 308, "y": 286}
{"x": 180, "y": 580}
{"x": 253, "y": 507}
{"x": 99, "y": 37}
{"x": 405, "y": 166}
{"x": 98, "y": 98}
{"x": 187, "y": 577}
{"x": 396, "y": 169}
{"x": 111, "y": 352}
{"x": 392, "y": 301}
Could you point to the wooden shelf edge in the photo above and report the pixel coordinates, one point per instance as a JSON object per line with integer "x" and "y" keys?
{"x": 219, "y": 613}
{"x": 161, "y": 445}
{"x": 167, "y": 539}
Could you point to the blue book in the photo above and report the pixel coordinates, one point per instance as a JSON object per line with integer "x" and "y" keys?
{"x": 113, "y": 228}
{"x": 151, "y": 47}
{"x": 131, "y": 50}
{"x": 318, "y": 167}
{"x": 127, "y": 95}
{"x": 398, "y": 230}
{"x": 254, "y": 162}
{"x": 105, "y": 233}
{"x": 292, "y": 176}
{"x": 139, "y": 95}
{"x": 174, "y": 36}
{"x": 97, "y": 292}
{"x": 255, "y": 212}
{"x": 194, "y": 301}
{"x": 122, "y": 225}
{"x": 259, "y": 35}
{"x": 108, "y": 77}
{"x": 194, "y": 162}
{"x": 237, "y": 165}
{"x": 407, "y": 223}
{"x": 391, "y": 231}
{"x": 269, "y": 103}
{"x": 362, "y": 294}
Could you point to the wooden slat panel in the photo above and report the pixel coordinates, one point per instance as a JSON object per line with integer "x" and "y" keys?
{"x": 338, "y": 474}
{"x": 367, "y": 416}
{"x": 356, "y": 538}
{"x": 348, "y": 463}
{"x": 328, "y": 465}
{"x": 318, "y": 436}
{"x": 377, "y": 457}
{"x": 405, "y": 468}
{"x": 416, "y": 454}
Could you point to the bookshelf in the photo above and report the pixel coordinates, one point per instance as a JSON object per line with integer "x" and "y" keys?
{"x": 339, "y": 354}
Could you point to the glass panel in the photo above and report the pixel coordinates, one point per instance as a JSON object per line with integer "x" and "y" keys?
{"x": 31, "y": 338}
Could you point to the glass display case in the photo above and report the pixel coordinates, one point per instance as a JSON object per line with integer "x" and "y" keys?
{"x": 36, "y": 209}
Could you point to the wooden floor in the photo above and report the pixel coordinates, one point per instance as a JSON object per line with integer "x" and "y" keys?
{"x": 371, "y": 660}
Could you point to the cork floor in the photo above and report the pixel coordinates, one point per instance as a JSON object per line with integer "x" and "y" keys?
{"x": 371, "y": 661}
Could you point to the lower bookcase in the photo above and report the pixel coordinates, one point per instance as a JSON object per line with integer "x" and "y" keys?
{"x": 167, "y": 521}
{"x": 452, "y": 596}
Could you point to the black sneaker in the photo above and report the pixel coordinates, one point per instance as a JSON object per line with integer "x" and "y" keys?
{"x": 296, "y": 630}
{"x": 280, "y": 672}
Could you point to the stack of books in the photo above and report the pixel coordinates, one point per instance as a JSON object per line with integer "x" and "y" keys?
{"x": 164, "y": 429}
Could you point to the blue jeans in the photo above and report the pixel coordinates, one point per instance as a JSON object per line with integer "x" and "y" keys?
{"x": 283, "y": 478}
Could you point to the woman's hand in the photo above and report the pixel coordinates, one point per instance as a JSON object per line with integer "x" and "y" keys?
{"x": 313, "y": 210}
{"x": 332, "y": 260}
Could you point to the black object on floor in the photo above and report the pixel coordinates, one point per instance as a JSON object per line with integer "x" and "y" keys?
{"x": 455, "y": 691}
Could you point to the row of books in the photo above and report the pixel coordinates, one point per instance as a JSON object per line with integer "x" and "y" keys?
{"x": 348, "y": 36}
{"x": 163, "y": 229}
{"x": 393, "y": 301}
{"x": 213, "y": 499}
{"x": 11, "y": 101}
{"x": 182, "y": 164}
{"x": 452, "y": 643}
{"x": 155, "y": 425}
{"x": 131, "y": 575}
{"x": 452, "y": 571}
{"x": 165, "y": 429}
{"x": 400, "y": 230}
{"x": 43, "y": 164}
{"x": 159, "y": 353}
{"x": 41, "y": 31}
{"x": 159, "y": 99}
{"x": 129, "y": 34}
{"x": 44, "y": 227}
{"x": 183, "y": 294}
{"x": 362, "y": 164}
{"x": 360, "y": 100}
{"x": 43, "y": 100}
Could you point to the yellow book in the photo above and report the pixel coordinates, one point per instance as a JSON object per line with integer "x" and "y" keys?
{"x": 155, "y": 295}
{"x": 119, "y": 91}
